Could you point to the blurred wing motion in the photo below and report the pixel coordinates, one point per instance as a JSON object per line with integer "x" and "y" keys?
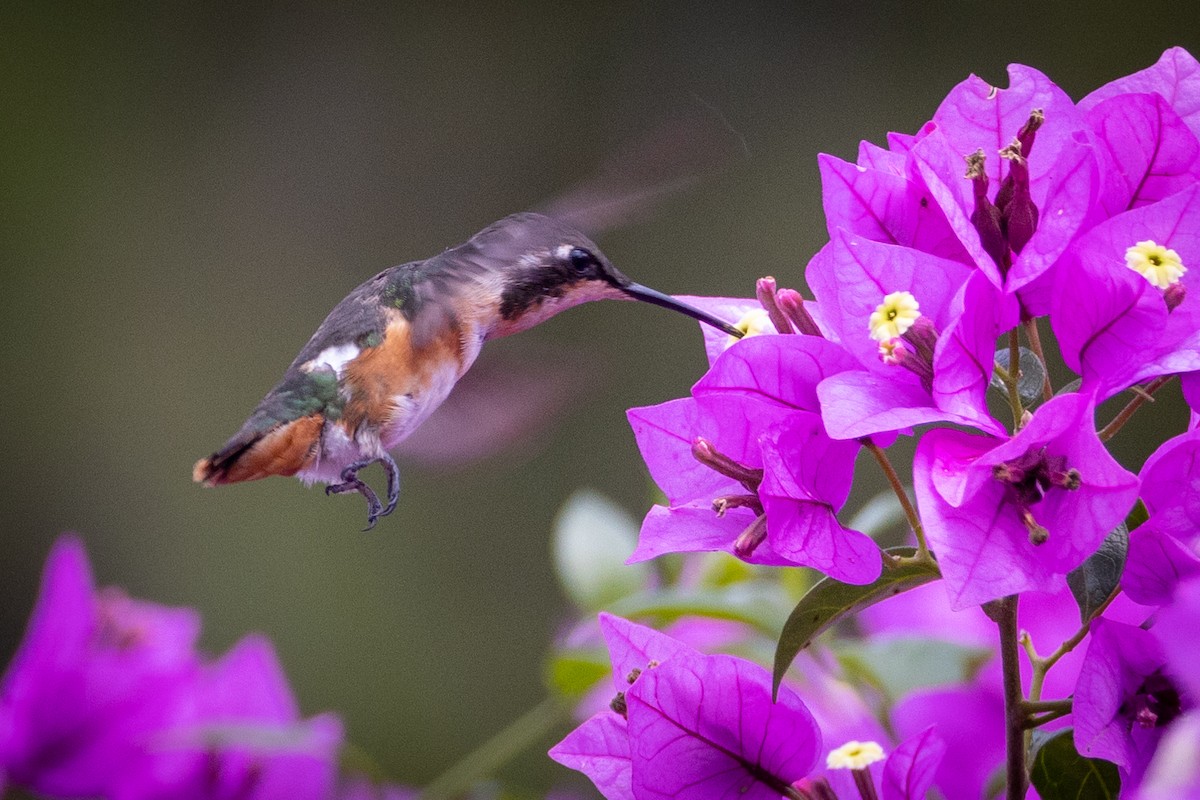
{"x": 631, "y": 183}
{"x": 506, "y": 403}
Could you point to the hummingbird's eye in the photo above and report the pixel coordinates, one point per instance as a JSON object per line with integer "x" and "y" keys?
{"x": 581, "y": 259}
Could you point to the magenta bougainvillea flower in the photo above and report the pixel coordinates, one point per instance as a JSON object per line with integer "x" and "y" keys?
{"x": 1120, "y": 310}
{"x": 96, "y": 675}
{"x": 1125, "y": 698}
{"x": 687, "y": 725}
{"x": 1155, "y": 565}
{"x": 1175, "y": 630}
{"x": 107, "y": 697}
{"x": 970, "y": 721}
{"x": 911, "y": 768}
{"x": 1171, "y": 487}
{"x": 1175, "y": 771}
{"x": 1036, "y": 199}
{"x": 1176, "y": 78}
{"x": 1147, "y": 151}
{"x": 1007, "y": 516}
{"x": 747, "y": 313}
{"x": 927, "y": 373}
{"x": 755, "y": 410}
{"x": 237, "y": 733}
{"x": 1033, "y": 184}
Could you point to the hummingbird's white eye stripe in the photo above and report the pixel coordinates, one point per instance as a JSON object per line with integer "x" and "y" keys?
{"x": 563, "y": 252}
{"x": 335, "y": 357}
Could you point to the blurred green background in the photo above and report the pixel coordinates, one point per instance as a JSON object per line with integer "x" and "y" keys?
{"x": 188, "y": 189}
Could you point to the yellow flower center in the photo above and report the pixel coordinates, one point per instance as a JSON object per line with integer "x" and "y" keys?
{"x": 1160, "y": 265}
{"x": 854, "y": 755}
{"x": 895, "y": 315}
{"x": 752, "y": 323}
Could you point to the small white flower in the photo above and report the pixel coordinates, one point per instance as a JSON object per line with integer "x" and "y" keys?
{"x": 752, "y": 323}
{"x": 1160, "y": 265}
{"x": 895, "y": 315}
{"x": 854, "y": 755}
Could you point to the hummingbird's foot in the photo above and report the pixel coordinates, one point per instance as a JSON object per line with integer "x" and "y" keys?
{"x": 393, "y": 488}
{"x": 352, "y": 483}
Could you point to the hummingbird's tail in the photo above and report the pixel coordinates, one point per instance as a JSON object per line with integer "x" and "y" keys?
{"x": 255, "y": 453}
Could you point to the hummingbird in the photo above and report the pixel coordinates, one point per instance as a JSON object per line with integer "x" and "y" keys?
{"x": 390, "y": 352}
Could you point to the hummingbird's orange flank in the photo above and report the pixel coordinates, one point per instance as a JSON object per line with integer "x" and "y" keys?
{"x": 391, "y": 351}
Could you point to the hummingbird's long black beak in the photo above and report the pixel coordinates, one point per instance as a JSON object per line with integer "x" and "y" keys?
{"x": 648, "y": 295}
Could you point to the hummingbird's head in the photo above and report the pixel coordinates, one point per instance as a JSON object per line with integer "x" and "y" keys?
{"x": 557, "y": 267}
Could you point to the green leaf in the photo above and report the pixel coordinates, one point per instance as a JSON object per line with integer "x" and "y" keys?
{"x": 896, "y": 667}
{"x": 1060, "y": 773}
{"x": 1029, "y": 384}
{"x": 1093, "y": 581}
{"x": 592, "y": 538}
{"x": 1137, "y": 516}
{"x": 571, "y": 673}
{"x": 829, "y": 601}
{"x": 1070, "y": 388}
{"x": 755, "y": 603}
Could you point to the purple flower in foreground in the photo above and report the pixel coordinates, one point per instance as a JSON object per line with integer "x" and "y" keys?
{"x": 747, "y": 314}
{"x": 1006, "y": 516}
{"x": 97, "y": 674}
{"x": 686, "y": 725}
{"x": 237, "y": 734}
{"x": 1171, "y": 487}
{"x": 1021, "y": 204}
{"x": 108, "y": 697}
{"x": 1120, "y": 309}
{"x": 877, "y": 200}
{"x": 928, "y": 373}
{"x": 1124, "y": 698}
{"x": 750, "y": 445}
{"x": 1176, "y": 77}
{"x": 1148, "y": 152}
{"x": 1155, "y": 564}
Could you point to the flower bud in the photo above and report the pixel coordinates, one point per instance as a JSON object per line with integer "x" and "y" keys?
{"x": 764, "y": 290}
{"x": 986, "y": 217}
{"x": 1174, "y": 295}
{"x": 749, "y": 540}
{"x": 792, "y": 305}
{"x": 1025, "y": 137}
{"x": 706, "y": 454}
{"x": 1019, "y": 217}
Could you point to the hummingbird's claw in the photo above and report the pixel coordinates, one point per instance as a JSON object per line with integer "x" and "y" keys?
{"x": 393, "y": 488}
{"x": 352, "y": 483}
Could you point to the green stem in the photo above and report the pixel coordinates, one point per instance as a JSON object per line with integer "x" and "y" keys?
{"x": 1042, "y": 665}
{"x": 521, "y": 734}
{"x": 1035, "y": 344}
{"x": 1038, "y": 706}
{"x": 1049, "y": 716}
{"x": 1004, "y": 612}
{"x": 1145, "y": 396}
{"x": 1014, "y": 376}
{"x": 910, "y": 510}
